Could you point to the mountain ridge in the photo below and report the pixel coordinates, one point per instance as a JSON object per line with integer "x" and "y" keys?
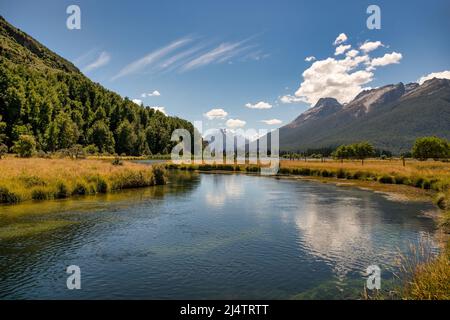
{"x": 391, "y": 117}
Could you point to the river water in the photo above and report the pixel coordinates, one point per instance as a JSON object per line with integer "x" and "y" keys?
{"x": 208, "y": 236}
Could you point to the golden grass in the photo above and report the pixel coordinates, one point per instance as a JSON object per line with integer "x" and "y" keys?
{"x": 41, "y": 179}
{"x": 427, "y": 169}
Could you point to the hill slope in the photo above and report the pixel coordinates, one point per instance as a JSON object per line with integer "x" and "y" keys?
{"x": 391, "y": 117}
{"x": 44, "y": 95}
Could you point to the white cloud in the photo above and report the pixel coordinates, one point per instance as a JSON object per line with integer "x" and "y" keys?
{"x": 290, "y": 99}
{"x": 332, "y": 78}
{"x": 102, "y": 60}
{"x": 137, "y": 101}
{"x": 341, "y": 49}
{"x": 310, "y": 58}
{"x": 216, "y": 114}
{"x": 155, "y": 93}
{"x": 340, "y": 78}
{"x": 369, "y": 46}
{"x": 235, "y": 123}
{"x": 340, "y": 39}
{"x": 160, "y": 109}
{"x": 387, "y": 59}
{"x": 259, "y": 105}
{"x": 150, "y": 58}
{"x": 272, "y": 122}
{"x": 222, "y": 53}
{"x": 439, "y": 75}
{"x": 352, "y": 53}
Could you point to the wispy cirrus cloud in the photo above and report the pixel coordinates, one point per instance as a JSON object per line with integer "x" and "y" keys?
{"x": 190, "y": 53}
{"x": 221, "y": 53}
{"x": 151, "y": 58}
{"x": 102, "y": 60}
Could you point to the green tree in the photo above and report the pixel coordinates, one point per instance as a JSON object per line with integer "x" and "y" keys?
{"x": 431, "y": 147}
{"x": 25, "y": 146}
{"x": 102, "y": 137}
{"x": 126, "y": 138}
{"x": 363, "y": 150}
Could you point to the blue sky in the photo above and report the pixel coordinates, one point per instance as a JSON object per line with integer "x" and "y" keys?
{"x": 202, "y": 55}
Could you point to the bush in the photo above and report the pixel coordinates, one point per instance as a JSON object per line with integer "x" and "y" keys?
{"x": 39, "y": 194}
{"x": 160, "y": 175}
{"x": 80, "y": 189}
{"x": 61, "y": 191}
{"x": 386, "y": 179}
{"x": 8, "y": 197}
{"x": 341, "y": 174}
{"x": 117, "y": 162}
{"x": 441, "y": 201}
{"x": 25, "y": 146}
{"x": 102, "y": 185}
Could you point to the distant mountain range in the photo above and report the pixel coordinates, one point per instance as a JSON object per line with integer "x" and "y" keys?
{"x": 390, "y": 117}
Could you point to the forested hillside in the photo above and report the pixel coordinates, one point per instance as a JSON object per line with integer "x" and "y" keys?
{"x": 46, "y": 96}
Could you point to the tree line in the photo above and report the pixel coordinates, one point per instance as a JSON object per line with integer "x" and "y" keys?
{"x": 49, "y": 110}
{"x": 423, "y": 149}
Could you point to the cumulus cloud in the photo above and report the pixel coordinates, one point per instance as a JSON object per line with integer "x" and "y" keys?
{"x": 439, "y": 75}
{"x": 259, "y": 105}
{"x": 340, "y": 39}
{"x": 310, "y": 58}
{"x": 333, "y": 78}
{"x": 216, "y": 114}
{"x": 102, "y": 60}
{"x": 155, "y": 93}
{"x": 137, "y": 101}
{"x": 369, "y": 46}
{"x": 341, "y": 78}
{"x": 272, "y": 122}
{"x": 352, "y": 53}
{"x": 235, "y": 123}
{"x": 387, "y": 59}
{"x": 341, "y": 49}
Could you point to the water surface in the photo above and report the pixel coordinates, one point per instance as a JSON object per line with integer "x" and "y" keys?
{"x": 207, "y": 236}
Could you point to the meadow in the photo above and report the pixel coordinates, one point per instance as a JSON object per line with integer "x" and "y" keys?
{"x": 44, "y": 179}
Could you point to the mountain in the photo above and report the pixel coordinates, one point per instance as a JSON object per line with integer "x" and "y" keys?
{"x": 390, "y": 117}
{"x": 46, "y": 96}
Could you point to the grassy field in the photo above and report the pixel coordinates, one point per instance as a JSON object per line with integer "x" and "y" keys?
{"x": 42, "y": 179}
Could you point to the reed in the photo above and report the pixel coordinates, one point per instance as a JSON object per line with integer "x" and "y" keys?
{"x": 43, "y": 179}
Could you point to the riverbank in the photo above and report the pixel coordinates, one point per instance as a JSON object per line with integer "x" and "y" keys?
{"x": 45, "y": 179}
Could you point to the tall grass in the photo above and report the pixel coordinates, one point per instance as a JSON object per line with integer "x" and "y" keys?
{"x": 42, "y": 179}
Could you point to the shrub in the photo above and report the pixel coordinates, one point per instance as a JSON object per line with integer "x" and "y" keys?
{"x": 341, "y": 174}
{"x": 159, "y": 175}
{"x": 386, "y": 179}
{"x": 80, "y": 189}
{"x": 25, "y": 146}
{"x": 8, "y": 197}
{"x": 39, "y": 194}
{"x": 61, "y": 190}
{"x": 117, "y": 162}
{"x": 102, "y": 185}
{"x": 441, "y": 201}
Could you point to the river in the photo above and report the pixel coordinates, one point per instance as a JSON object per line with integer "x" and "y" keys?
{"x": 208, "y": 236}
